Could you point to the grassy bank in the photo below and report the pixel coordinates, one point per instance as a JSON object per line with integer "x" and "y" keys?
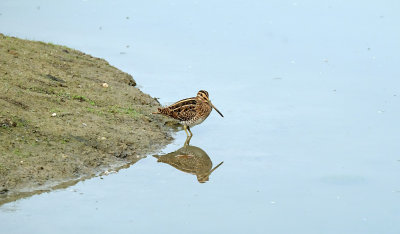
{"x": 65, "y": 114}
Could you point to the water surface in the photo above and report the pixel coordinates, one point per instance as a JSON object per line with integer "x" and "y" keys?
{"x": 309, "y": 91}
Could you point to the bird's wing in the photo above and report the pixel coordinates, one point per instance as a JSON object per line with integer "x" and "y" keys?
{"x": 182, "y": 110}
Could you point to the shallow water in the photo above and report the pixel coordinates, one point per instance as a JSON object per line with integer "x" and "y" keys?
{"x": 309, "y": 91}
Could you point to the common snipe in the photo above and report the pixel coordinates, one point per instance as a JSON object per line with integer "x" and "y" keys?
{"x": 190, "y": 159}
{"x": 190, "y": 111}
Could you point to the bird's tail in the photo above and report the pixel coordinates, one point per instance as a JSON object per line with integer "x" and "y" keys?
{"x": 157, "y": 112}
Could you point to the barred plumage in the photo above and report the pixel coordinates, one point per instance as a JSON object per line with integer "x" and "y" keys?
{"x": 190, "y": 159}
{"x": 190, "y": 111}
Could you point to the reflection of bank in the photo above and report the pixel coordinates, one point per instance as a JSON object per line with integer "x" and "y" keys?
{"x": 190, "y": 159}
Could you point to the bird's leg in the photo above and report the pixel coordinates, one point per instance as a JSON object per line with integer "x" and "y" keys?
{"x": 185, "y": 127}
{"x": 191, "y": 134}
{"x": 187, "y": 141}
{"x": 188, "y": 136}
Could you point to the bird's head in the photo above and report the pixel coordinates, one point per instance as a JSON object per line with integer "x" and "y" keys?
{"x": 202, "y": 96}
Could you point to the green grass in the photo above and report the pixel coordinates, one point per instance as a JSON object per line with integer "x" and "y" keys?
{"x": 55, "y": 110}
{"x": 3, "y": 169}
{"x": 42, "y": 90}
{"x": 96, "y": 111}
{"x": 114, "y": 110}
{"x": 14, "y": 123}
{"x": 79, "y": 98}
{"x": 76, "y": 97}
{"x": 65, "y": 141}
{"x": 123, "y": 110}
{"x": 17, "y": 152}
{"x": 21, "y": 122}
{"x": 4, "y": 126}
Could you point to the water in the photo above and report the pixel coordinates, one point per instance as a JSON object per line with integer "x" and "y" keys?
{"x": 310, "y": 94}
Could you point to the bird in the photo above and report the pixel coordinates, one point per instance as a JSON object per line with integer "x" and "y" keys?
{"x": 190, "y": 111}
{"x": 190, "y": 159}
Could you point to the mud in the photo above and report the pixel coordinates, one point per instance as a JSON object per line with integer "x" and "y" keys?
{"x": 65, "y": 115}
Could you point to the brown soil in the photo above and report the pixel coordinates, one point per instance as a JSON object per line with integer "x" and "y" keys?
{"x": 65, "y": 115}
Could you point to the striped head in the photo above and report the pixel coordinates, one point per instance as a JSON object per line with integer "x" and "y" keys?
{"x": 202, "y": 96}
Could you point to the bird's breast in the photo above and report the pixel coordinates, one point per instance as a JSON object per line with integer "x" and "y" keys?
{"x": 202, "y": 112}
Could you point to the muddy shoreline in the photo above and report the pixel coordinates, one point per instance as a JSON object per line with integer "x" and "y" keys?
{"x": 67, "y": 116}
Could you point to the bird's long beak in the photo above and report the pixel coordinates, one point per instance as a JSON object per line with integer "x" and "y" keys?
{"x": 205, "y": 177}
{"x": 209, "y": 173}
{"x": 215, "y": 108}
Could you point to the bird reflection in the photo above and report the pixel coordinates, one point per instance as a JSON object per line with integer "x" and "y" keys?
{"x": 190, "y": 159}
